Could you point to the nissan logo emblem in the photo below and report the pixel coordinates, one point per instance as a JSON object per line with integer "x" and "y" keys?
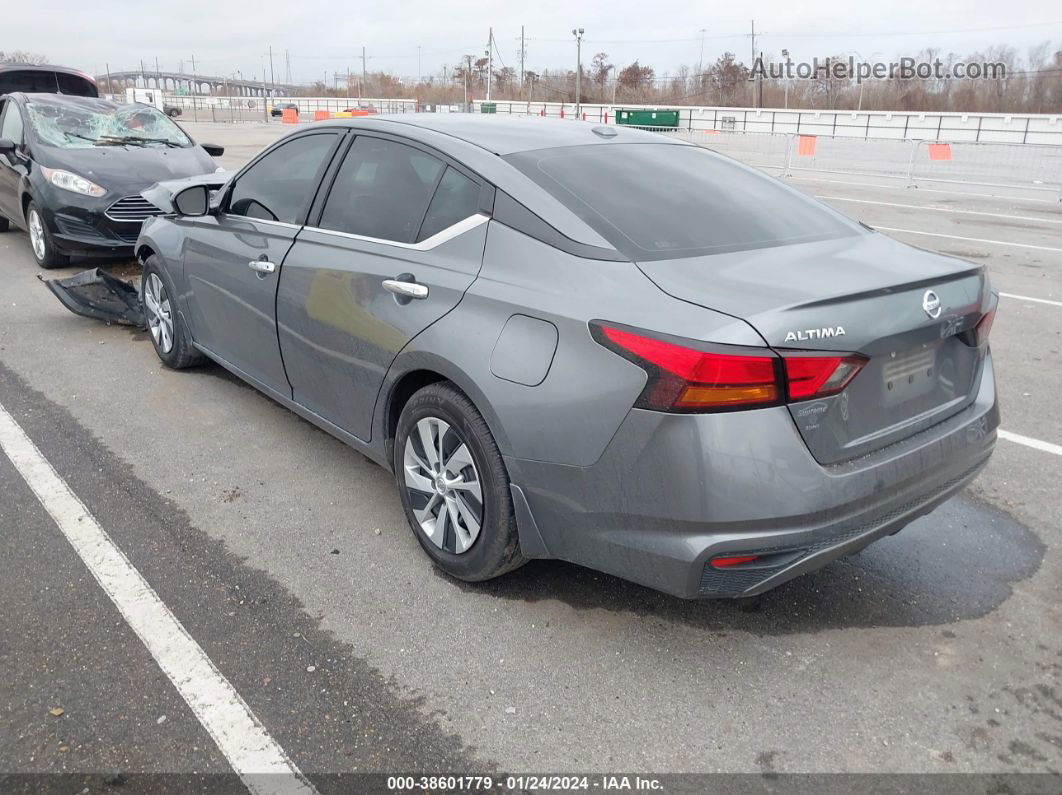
{"x": 931, "y": 303}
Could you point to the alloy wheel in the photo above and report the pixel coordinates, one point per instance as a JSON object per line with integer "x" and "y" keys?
{"x": 443, "y": 485}
{"x": 36, "y": 231}
{"x": 159, "y": 314}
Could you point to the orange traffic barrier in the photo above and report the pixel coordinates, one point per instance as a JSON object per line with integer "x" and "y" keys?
{"x": 806, "y": 146}
{"x": 321, "y": 115}
{"x": 289, "y": 116}
{"x": 940, "y": 151}
{"x": 360, "y": 113}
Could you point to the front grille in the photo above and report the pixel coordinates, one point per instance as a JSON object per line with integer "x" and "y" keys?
{"x": 134, "y": 209}
{"x": 730, "y": 582}
{"x": 128, "y": 235}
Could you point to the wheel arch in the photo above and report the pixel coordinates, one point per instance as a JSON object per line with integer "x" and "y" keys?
{"x": 413, "y": 371}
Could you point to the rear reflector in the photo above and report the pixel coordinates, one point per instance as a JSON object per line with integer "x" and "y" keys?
{"x": 820, "y": 376}
{"x": 733, "y": 560}
{"x": 685, "y": 379}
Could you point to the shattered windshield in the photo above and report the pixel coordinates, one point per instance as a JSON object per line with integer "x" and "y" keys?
{"x": 75, "y": 127}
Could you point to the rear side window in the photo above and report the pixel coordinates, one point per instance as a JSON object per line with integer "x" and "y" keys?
{"x": 663, "y": 201}
{"x": 382, "y": 190}
{"x": 280, "y": 186}
{"x": 456, "y": 198}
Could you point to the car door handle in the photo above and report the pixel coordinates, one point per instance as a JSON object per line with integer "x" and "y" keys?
{"x": 262, "y": 266}
{"x": 406, "y": 289}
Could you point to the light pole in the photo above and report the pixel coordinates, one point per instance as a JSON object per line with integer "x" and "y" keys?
{"x": 785, "y": 80}
{"x": 578, "y": 33}
{"x": 863, "y": 60}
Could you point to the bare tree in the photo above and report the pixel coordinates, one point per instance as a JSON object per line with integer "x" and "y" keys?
{"x": 20, "y": 56}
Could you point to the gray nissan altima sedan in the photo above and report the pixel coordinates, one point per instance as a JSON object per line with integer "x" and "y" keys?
{"x": 588, "y": 343}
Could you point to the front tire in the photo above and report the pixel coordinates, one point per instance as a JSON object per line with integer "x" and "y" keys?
{"x": 41, "y": 243}
{"x": 454, "y": 486}
{"x": 169, "y": 335}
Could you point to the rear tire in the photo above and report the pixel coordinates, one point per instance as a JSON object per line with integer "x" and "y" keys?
{"x": 4, "y": 224}
{"x": 169, "y": 335}
{"x": 41, "y": 243}
{"x": 452, "y": 478}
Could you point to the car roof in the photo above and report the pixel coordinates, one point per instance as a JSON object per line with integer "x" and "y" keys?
{"x": 32, "y": 67}
{"x": 69, "y": 100}
{"x": 506, "y": 134}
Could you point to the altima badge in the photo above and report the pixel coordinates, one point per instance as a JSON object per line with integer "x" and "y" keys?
{"x": 814, "y": 334}
{"x": 931, "y": 303}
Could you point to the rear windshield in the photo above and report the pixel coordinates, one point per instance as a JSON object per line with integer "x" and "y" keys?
{"x": 44, "y": 81}
{"x": 663, "y": 201}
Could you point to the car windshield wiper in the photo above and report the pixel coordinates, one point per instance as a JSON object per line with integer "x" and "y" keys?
{"x": 69, "y": 134}
{"x": 138, "y": 140}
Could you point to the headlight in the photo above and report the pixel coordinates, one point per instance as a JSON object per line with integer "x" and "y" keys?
{"x": 72, "y": 182}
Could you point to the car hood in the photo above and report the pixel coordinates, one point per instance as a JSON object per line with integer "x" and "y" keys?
{"x": 129, "y": 170}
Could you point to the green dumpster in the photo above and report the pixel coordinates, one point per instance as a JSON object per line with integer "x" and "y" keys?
{"x": 655, "y": 119}
{"x": 488, "y": 107}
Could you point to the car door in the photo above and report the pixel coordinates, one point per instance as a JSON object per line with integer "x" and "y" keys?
{"x": 233, "y": 258}
{"x": 398, "y": 240}
{"x": 12, "y": 165}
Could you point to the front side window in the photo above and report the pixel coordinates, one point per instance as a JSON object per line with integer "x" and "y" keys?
{"x": 11, "y": 129}
{"x": 280, "y": 186}
{"x": 382, "y": 190}
{"x": 663, "y": 201}
{"x": 86, "y": 123}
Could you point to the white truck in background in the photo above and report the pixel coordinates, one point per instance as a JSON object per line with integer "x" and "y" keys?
{"x": 153, "y": 97}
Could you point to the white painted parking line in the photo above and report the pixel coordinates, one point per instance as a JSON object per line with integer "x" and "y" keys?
{"x": 261, "y": 763}
{"x": 1017, "y": 438}
{"x": 967, "y": 239}
{"x": 945, "y": 210}
{"x": 1034, "y": 300}
{"x": 922, "y": 189}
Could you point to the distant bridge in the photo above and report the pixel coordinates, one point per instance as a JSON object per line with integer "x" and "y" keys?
{"x": 172, "y": 82}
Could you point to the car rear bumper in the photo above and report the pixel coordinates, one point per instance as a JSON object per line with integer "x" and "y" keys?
{"x": 673, "y": 492}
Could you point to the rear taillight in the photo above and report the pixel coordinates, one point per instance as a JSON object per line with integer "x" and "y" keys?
{"x": 819, "y": 376}
{"x": 983, "y": 327}
{"x": 687, "y": 378}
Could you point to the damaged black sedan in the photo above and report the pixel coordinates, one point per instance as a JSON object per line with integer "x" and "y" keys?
{"x": 72, "y": 170}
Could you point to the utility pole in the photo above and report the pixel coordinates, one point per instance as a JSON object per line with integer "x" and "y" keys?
{"x": 578, "y": 33}
{"x": 700, "y": 63}
{"x": 287, "y": 67}
{"x": 272, "y": 79}
{"x": 490, "y": 59}
{"x": 468, "y": 72}
{"x": 158, "y": 74}
{"x": 110, "y": 88}
{"x": 752, "y": 63}
{"x": 523, "y": 54}
{"x": 364, "y": 72}
{"x": 195, "y": 82}
{"x": 418, "y": 65}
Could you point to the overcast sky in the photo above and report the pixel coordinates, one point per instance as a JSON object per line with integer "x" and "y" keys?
{"x": 326, "y": 36}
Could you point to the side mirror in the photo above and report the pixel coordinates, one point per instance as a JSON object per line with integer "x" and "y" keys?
{"x": 213, "y": 149}
{"x": 7, "y": 146}
{"x": 192, "y": 201}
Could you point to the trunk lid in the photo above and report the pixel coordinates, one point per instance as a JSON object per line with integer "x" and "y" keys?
{"x": 866, "y": 294}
